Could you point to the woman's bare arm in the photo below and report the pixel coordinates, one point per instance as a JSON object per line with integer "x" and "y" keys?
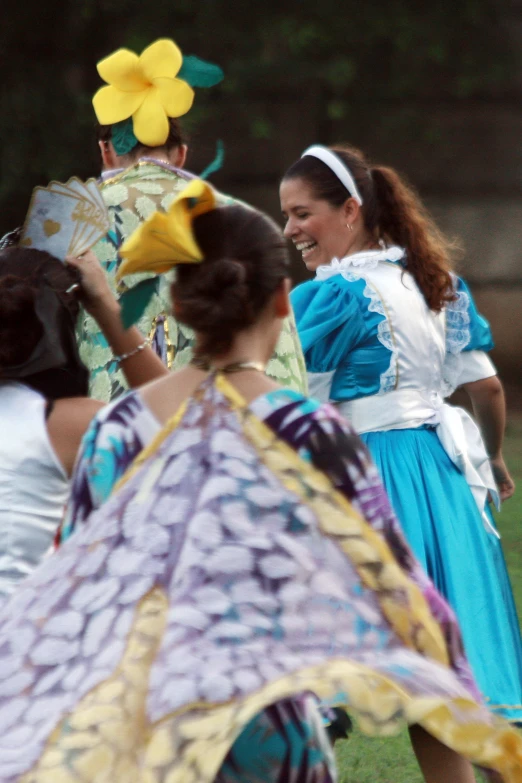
{"x": 489, "y": 407}
{"x": 98, "y": 299}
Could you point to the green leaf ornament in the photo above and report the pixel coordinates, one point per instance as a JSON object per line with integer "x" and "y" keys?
{"x": 134, "y": 301}
{"x": 123, "y": 138}
{"x": 199, "y": 73}
{"x": 217, "y": 163}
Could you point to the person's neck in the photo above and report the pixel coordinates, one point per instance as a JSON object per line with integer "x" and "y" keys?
{"x": 361, "y": 245}
{"x": 250, "y": 346}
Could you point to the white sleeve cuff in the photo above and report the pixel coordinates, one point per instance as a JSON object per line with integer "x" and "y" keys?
{"x": 475, "y": 366}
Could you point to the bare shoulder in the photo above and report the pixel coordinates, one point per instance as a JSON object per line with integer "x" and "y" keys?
{"x": 67, "y": 425}
{"x": 73, "y": 413}
{"x": 164, "y": 395}
{"x": 173, "y": 379}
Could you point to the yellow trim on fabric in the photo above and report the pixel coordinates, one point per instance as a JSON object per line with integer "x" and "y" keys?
{"x": 371, "y": 557}
{"x": 367, "y": 551}
{"x": 99, "y": 738}
{"x": 369, "y": 554}
{"x": 153, "y": 446}
{"x": 171, "y": 351}
{"x": 375, "y": 704}
{"x": 108, "y": 734}
{"x": 117, "y": 177}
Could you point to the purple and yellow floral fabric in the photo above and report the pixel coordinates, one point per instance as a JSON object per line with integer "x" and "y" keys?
{"x": 227, "y": 573}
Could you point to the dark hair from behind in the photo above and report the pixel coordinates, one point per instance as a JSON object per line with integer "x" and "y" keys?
{"x": 245, "y": 260}
{"x": 22, "y": 272}
{"x": 392, "y": 211}
{"x": 175, "y": 138}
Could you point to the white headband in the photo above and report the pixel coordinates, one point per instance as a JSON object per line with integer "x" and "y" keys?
{"x": 341, "y": 171}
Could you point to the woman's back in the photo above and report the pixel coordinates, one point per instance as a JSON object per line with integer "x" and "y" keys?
{"x": 33, "y": 484}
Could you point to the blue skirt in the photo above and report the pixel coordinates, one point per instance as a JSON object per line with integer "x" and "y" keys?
{"x": 441, "y": 521}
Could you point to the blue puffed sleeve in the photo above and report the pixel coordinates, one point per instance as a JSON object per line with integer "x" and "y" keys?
{"x": 345, "y": 358}
{"x": 329, "y": 321}
{"x": 466, "y": 328}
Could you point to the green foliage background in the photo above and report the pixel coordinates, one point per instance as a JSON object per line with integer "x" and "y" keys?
{"x": 341, "y": 61}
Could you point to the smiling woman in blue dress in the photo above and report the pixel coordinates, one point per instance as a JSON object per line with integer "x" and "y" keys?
{"x": 388, "y": 332}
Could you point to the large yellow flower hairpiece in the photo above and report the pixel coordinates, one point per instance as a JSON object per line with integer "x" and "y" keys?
{"x": 145, "y": 88}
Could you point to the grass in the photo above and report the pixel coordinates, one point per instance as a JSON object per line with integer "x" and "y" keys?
{"x": 366, "y": 760}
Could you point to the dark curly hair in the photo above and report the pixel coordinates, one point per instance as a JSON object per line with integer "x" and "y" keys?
{"x": 22, "y": 272}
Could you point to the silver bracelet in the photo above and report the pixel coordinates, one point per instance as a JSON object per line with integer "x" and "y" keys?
{"x": 140, "y": 347}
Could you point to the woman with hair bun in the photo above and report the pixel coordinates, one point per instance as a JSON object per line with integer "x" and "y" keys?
{"x": 44, "y": 408}
{"x": 225, "y": 572}
{"x": 388, "y": 332}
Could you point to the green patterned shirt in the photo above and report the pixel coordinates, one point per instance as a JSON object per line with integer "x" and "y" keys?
{"x": 131, "y": 196}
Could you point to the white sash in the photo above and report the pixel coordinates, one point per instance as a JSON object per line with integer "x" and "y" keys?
{"x": 458, "y": 433}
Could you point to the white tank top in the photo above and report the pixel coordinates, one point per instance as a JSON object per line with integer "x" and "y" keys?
{"x": 33, "y": 485}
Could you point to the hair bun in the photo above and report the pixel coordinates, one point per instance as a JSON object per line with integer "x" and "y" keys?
{"x": 219, "y": 300}
{"x": 226, "y": 272}
{"x": 245, "y": 259}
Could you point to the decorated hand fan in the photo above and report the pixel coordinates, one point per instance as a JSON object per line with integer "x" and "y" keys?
{"x": 65, "y": 219}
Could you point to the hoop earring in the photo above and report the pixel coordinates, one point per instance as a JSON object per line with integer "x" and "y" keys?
{"x": 349, "y": 225}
